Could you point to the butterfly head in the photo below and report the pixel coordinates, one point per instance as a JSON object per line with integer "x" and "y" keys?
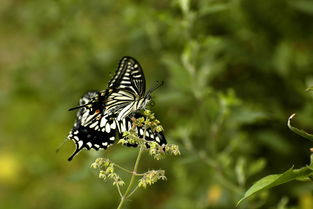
{"x": 147, "y": 98}
{"x": 89, "y": 100}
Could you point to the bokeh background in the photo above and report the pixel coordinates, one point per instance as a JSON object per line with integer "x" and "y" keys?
{"x": 234, "y": 71}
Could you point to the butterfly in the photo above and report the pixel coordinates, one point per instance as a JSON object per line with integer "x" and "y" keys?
{"x": 104, "y": 115}
{"x": 103, "y": 131}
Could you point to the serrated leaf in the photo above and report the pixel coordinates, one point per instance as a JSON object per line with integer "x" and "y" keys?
{"x": 299, "y": 131}
{"x": 277, "y": 179}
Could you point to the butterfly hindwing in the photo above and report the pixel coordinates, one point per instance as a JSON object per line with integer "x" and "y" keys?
{"x": 92, "y": 129}
{"x": 85, "y": 137}
{"x": 126, "y": 124}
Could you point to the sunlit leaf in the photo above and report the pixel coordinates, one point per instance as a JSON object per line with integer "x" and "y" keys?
{"x": 299, "y": 131}
{"x": 310, "y": 88}
{"x": 303, "y": 6}
{"x": 277, "y": 179}
{"x": 214, "y": 8}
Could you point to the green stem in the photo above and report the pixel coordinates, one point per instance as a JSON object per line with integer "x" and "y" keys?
{"x": 124, "y": 169}
{"x": 134, "y": 173}
{"x": 133, "y": 191}
{"x": 132, "y": 180}
{"x": 121, "y": 203}
{"x": 128, "y": 171}
{"x": 119, "y": 190}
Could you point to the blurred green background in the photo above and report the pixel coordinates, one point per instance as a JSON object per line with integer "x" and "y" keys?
{"x": 234, "y": 71}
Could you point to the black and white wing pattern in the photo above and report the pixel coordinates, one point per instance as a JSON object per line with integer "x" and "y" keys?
{"x": 92, "y": 129}
{"x": 127, "y": 89}
{"x": 103, "y": 115}
{"x": 129, "y": 75}
{"x": 126, "y": 124}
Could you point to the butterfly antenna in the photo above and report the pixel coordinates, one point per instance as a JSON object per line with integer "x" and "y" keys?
{"x": 77, "y": 107}
{"x": 155, "y": 87}
{"x": 58, "y": 149}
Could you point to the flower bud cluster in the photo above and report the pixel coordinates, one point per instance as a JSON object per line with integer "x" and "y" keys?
{"x": 172, "y": 149}
{"x": 155, "y": 150}
{"x": 130, "y": 137}
{"x": 158, "y": 152}
{"x": 152, "y": 122}
{"x": 106, "y": 168}
{"x": 151, "y": 177}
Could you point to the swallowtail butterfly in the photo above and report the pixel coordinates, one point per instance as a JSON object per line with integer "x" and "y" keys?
{"x": 93, "y": 130}
{"x": 104, "y": 115}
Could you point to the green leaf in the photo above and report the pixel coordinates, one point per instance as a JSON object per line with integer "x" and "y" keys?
{"x": 213, "y": 8}
{"x": 299, "y": 131}
{"x": 303, "y": 6}
{"x": 277, "y": 179}
{"x": 310, "y": 88}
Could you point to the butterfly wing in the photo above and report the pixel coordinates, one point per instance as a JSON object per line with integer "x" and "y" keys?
{"x": 127, "y": 87}
{"x": 129, "y": 75}
{"x": 137, "y": 77}
{"x": 92, "y": 129}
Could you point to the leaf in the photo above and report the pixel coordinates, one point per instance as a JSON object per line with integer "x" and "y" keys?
{"x": 310, "y": 88}
{"x": 299, "y": 131}
{"x": 303, "y": 6}
{"x": 213, "y": 8}
{"x": 277, "y": 179}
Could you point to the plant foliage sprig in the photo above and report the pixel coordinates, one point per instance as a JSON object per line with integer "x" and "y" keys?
{"x": 301, "y": 174}
{"x": 108, "y": 169}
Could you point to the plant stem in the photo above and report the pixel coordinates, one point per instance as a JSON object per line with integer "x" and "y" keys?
{"x": 121, "y": 203}
{"x": 119, "y": 190}
{"x": 134, "y": 171}
{"x": 128, "y": 171}
{"x": 132, "y": 180}
{"x": 124, "y": 169}
{"x": 134, "y": 190}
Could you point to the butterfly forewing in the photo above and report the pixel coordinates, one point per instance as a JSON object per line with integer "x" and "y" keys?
{"x": 127, "y": 87}
{"x": 137, "y": 78}
{"x": 119, "y": 100}
{"x": 129, "y": 75}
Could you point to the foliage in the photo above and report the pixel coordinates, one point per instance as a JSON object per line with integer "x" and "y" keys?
{"x": 290, "y": 175}
{"x": 278, "y": 179}
{"x": 131, "y": 138}
{"x": 234, "y": 71}
{"x": 299, "y": 131}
